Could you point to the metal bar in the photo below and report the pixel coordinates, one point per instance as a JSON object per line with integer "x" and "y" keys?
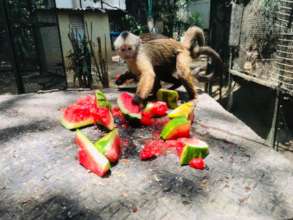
{"x": 284, "y": 7}
{"x": 286, "y": 1}
{"x": 230, "y": 81}
{"x": 272, "y": 137}
{"x": 60, "y": 45}
{"x": 19, "y": 82}
{"x": 253, "y": 79}
{"x": 284, "y": 58}
{"x": 284, "y": 64}
{"x": 287, "y": 71}
{"x": 35, "y": 36}
{"x": 286, "y": 52}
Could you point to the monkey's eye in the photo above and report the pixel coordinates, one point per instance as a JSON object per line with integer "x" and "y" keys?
{"x": 123, "y": 50}
{"x": 129, "y": 48}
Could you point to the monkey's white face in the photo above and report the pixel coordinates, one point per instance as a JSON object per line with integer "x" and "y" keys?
{"x": 127, "y": 45}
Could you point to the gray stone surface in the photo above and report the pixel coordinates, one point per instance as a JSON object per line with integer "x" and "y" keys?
{"x": 40, "y": 178}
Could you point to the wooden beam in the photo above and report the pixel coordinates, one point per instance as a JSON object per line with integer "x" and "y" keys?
{"x": 250, "y": 78}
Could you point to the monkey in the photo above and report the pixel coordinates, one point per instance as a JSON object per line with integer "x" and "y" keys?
{"x": 198, "y": 39}
{"x": 193, "y": 38}
{"x": 157, "y": 60}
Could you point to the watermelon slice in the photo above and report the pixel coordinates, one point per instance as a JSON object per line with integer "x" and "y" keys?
{"x": 90, "y": 157}
{"x": 127, "y": 107}
{"x": 184, "y": 110}
{"x": 84, "y": 112}
{"x": 169, "y": 96}
{"x": 101, "y": 100}
{"x": 110, "y": 146}
{"x": 193, "y": 148}
{"x": 176, "y": 128}
{"x": 157, "y": 109}
{"x": 104, "y": 117}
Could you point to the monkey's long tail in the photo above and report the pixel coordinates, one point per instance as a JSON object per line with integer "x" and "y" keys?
{"x": 193, "y": 37}
{"x": 217, "y": 62}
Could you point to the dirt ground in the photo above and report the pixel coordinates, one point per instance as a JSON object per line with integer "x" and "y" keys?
{"x": 41, "y": 179}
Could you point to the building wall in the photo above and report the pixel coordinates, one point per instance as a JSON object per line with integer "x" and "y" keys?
{"x": 64, "y": 23}
{"x": 109, "y": 4}
{"x": 64, "y": 3}
{"x": 100, "y": 24}
{"x": 101, "y": 28}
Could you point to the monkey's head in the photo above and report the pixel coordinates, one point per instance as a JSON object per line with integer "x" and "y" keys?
{"x": 127, "y": 45}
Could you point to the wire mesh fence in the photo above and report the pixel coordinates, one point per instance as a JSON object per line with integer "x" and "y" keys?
{"x": 264, "y": 46}
{"x": 283, "y": 65}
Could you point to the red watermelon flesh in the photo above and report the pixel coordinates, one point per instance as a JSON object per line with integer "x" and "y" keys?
{"x": 90, "y": 157}
{"x": 197, "y": 163}
{"x": 127, "y": 107}
{"x": 152, "y": 149}
{"x": 117, "y": 114}
{"x": 157, "y": 109}
{"x": 84, "y": 112}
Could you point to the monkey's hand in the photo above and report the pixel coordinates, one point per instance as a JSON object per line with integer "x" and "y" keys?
{"x": 137, "y": 100}
{"x": 120, "y": 79}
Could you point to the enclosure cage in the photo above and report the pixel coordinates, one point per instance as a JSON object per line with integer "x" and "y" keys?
{"x": 261, "y": 42}
{"x": 30, "y": 49}
{"x": 261, "y": 50}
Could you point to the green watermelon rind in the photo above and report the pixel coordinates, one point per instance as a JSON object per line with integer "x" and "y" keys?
{"x": 104, "y": 143}
{"x": 98, "y": 156}
{"x": 190, "y": 151}
{"x": 172, "y": 125}
{"x": 126, "y": 112}
{"x": 74, "y": 125}
{"x": 169, "y": 96}
{"x": 101, "y": 100}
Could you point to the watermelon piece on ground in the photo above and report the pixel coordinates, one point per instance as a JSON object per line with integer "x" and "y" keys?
{"x": 127, "y": 107}
{"x": 193, "y": 148}
{"x": 101, "y": 100}
{"x": 176, "y": 128}
{"x": 152, "y": 149}
{"x": 104, "y": 117}
{"x": 147, "y": 119}
{"x": 157, "y": 109}
{"x": 169, "y": 96}
{"x": 197, "y": 163}
{"x": 184, "y": 110}
{"x": 79, "y": 114}
{"x": 110, "y": 146}
{"x": 90, "y": 157}
{"x": 84, "y": 112}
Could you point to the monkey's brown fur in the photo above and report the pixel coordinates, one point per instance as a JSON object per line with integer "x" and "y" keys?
{"x": 146, "y": 37}
{"x": 158, "y": 59}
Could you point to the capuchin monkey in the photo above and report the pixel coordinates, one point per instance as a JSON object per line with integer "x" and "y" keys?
{"x": 160, "y": 60}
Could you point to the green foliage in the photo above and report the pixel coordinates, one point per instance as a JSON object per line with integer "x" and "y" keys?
{"x": 130, "y": 23}
{"x": 195, "y": 19}
{"x": 268, "y": 6}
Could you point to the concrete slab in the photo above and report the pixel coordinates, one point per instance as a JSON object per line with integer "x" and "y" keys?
{"x": 40, "y": 178}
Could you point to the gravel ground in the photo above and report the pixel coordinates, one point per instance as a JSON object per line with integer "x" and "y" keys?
{"x": 40, "y": 178}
